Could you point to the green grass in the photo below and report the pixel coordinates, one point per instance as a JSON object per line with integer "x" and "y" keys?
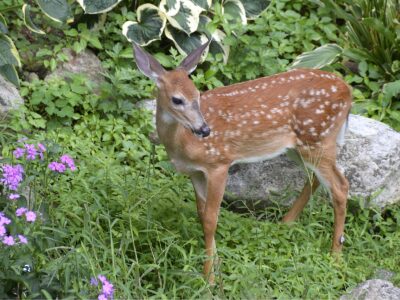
{"x": 141, "y": 231}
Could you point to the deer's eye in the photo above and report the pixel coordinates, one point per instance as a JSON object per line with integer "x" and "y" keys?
{"x": 177, "y": 101}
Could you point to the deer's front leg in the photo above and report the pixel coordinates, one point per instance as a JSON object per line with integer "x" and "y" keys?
{"x": 216, "y": 181}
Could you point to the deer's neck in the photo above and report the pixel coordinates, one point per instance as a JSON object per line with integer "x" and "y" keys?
{"x": 167, "y": 128}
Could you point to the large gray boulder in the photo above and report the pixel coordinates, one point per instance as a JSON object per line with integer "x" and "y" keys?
{"x": 85, "y": 62}
{"x": 374, "y": 289}
{"x": 370, "y": 159}
{"x": 9, "y": 97}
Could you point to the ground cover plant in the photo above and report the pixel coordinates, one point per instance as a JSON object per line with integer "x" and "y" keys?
{"x": 123, "y": 223}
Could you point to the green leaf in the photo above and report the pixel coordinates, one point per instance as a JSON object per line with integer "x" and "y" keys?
{"x": 236, "y": 11}
{"x": 217, "y": 47}
{"x": 183, "y": 42}
{"x": 8, "y": 52}
{"x": 170, "y": 7}
{"x": 57, "y": 10}
{"x": 254, "y": 8}
{"x": 391, "y": 89}
{"x": 3, "y": 25}
{"x": 317, "y": 58}
{"x": 150, "y": 25}
{"x": 98, "y": 7}
{"x": 9, "y": 73}
{"x": 204, "y": 4}
{"x": 26, "y": 12}
{"x": 187, "y": 18}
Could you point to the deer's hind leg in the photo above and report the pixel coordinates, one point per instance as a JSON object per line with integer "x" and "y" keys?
{"x": 297, "y": 207}
{"x": 323, "y": 164}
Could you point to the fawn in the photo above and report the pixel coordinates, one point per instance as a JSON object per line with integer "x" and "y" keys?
{"x": 204, "y": 134}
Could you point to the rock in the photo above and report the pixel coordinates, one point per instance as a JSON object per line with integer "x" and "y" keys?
{"x": 383, "y": 274}
{"x": 9, "y": 97}
{"x": 85, "y": 62}
{"x": 370, "y": 159}
{"x": 374, "y": 289}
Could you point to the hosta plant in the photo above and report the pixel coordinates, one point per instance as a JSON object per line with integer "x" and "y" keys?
{"x": 188, "y": 23}
{"x": 60, "y": 10}
{"x": 9, "y": 57}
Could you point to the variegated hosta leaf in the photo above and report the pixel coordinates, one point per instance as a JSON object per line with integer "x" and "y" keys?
{"x": 204, "y": 4}
{"x": 184, "y": 43}
{"x": 187, "y": 18}
{"x": 26, "y": 12}
{"x": 98, "y": 6}
{"x": 149, "y": 26}
{"x": 57, "y": 10}
{"x": 254, "y": 8}
{"x": 8, "y": 53}
{"x": 217, "y": 46}
{"x": 317, "y": 58}
{"x": 3, "y": 25}
{"x": 170, "y": 7}
{"x": 235, "y": 9}
{"x": 9, "y": 73}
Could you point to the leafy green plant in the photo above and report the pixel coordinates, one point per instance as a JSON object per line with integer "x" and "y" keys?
{"x": 60, "y": 11}
{"x": 187, "y": 22}
{"x": 373, "y": 33}
{"x": 9, "y": 57}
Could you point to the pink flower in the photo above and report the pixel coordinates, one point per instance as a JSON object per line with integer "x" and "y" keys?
{"x": 19, "y": 152}
{"x": 41, "y": 147}
{"x": 102, "y": 297}
{"x": 20, "y": 211}
{"x": 13, "y": 196}
{"x": 8, "y": 240}
{"x": 4, "y": 220}
{"x": 57, "y": 167}
{"x": 30, "y": 216}
{"x": 2, "y": 230}
{"x": 22, "y": 239}
{"x": 68, "y": 160}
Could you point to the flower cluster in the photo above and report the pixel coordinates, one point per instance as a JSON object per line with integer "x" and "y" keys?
{"x": 107, "y": 289}
{"x": 12, "y": 176}
{"x": 29, "y": 215}
{"x": 66, "y": 161}
{"x": 30, "y": 151}
{"x": 8, "y": 239}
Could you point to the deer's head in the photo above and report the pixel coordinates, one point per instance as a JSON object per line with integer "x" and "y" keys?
{"x": 177, "y": 95}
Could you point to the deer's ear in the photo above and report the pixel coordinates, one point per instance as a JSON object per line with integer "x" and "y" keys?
{"x": 147, "y": 64}
{"x": 189, "y": 64}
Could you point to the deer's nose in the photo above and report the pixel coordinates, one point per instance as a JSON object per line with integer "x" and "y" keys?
{"x": 203, "y": 131}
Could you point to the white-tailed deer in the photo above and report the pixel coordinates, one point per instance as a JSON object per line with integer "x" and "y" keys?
{"x": 204, "y": 134}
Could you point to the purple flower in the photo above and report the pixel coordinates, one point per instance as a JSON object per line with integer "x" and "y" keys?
{"x": 19, "y": 152}
{"x": 22, "y": 239}
{"x": 102, "y": 297}
{"x": 31, "y": 151}
{"x": 8, "y": 240}
{"x": 12, "y": 176}
{"x": 30, "y": 216}
{"x": 4, "y": 219}
{"x": 108, "y": 289}
{"x": 57, "y": 167}
{"x": 68, "y": 160}
{"x": 2, "y": 230}
{"x": 13, "y": 196}
{"x": 20, "y": 211}
{"x": 93, "y": 281}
